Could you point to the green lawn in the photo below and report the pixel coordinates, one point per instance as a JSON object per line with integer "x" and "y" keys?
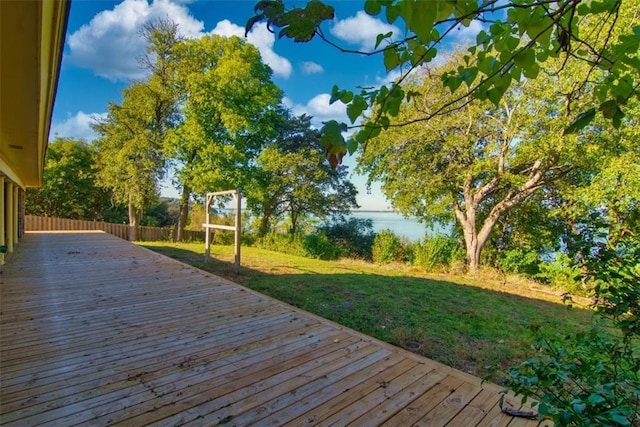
{"x": 478, "y": 326}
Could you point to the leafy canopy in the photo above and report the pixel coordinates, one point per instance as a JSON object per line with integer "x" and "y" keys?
{"x": 518, "y": 40}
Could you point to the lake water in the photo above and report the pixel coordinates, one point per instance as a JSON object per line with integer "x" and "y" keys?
{"x": 401, "y": 226}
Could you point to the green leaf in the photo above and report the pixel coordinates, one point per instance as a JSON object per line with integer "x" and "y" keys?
{"x": 487, "y": 65}
{"x": 332, "y": 134}
{"x": 422, "y": 20}
{"x": 361, "y": 137}
{"x": 525, "y": 58}
{"x": 373, "y": 130}
{"x": 340, "y": 95}
{"x": 301, "y": 24}
{"x": 609, "y": 108}
{"x": 451, "y": 81}
{"x": 468, "y": 75}
{"x": 532, "y": 71}
{"x": 336, "y": 94}
{"x": 391, "y": 59}
{"x": 494, "y": 95}
{"x": 393, "y": 106}
{"x": 579, "y": 407}
{"x": 617, "y": 118}
{"x": 483, "y": 37}
{"x": 372, "y": 7}
{"x": 393, "y": 12}
{"x": 251, "y": 22}
{"x": 418, "y": 56}
{"x": 445, "y": 9}
{"x": 621, "y": 420}
{"x": 581, "y": 121}
{"x": 381, "y": 37}
{"x": 355, "y": 109}
{"x": 352, "y": 145}
{"x": 623, "y": 90}
{"x": 603, "y": 6}
{"x": 512, "y": 43}
{"x": 346, "y": 97}
{"x": 595, "y": 399}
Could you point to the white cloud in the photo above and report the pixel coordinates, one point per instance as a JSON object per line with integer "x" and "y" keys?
{"x": 320, "y": 109}
{"x": 309, "y": 67}
{"x": 465, "y": 36}
{"x": 391, "y": 77}
{"x": 362, "y": 30}
{"x": 110, "y": 44}
{"x": 262, "y": 39}
{"x": 77, "y": 127}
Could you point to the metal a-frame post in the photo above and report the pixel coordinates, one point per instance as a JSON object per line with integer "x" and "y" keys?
{"x": 237, "y": 228}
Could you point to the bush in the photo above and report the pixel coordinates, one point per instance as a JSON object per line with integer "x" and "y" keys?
{"x": 280, "y": 242}
{"x": 561, "y": 274}
{"x": 387, "y": 247}
{"x": 354, "y": 236}
{"x": 592, "y": 378}
{"x": 435, "y": 252}
{"x": 318, "y": 245}
{"x": 520, "y": 261}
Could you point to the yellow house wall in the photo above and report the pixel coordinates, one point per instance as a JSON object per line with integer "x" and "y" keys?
{"x": 2, "y": 225}
{"x": 9, "y": 211}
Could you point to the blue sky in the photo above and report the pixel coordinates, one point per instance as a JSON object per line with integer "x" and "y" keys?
{"x": 103, "y": 43}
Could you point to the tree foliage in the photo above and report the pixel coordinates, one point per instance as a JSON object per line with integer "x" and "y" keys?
{"x": 292, "y": 179}
{"x": 520, "y": 38}
{"x": 476, "y": 164}
{"x": 130, "y": 160}
{"x": 132, "y": 137}
{"x": 227, "y": 98}
{"x": 69, "y": 187}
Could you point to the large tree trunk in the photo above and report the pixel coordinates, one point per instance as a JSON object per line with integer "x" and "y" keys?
{"x": 264, "y": 223}
{"x": 184, "y": 213}
{"x": 133, "y": 221}
{"x": 474, "y": 239}
{"x": 294, "y": 223}
{"x": 467, "y": 220}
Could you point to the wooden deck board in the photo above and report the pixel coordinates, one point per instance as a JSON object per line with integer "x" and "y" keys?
{"x": 96, "y": 331}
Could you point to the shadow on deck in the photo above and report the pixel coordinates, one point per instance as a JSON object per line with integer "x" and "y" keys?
{"x": 97, "y": 331}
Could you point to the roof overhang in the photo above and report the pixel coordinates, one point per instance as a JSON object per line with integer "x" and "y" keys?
{"x": 31, "y": 43}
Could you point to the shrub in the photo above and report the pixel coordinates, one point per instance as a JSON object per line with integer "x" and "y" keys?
{"x": 592, "y": 377}
{"x": 561, "y": 274}
{"x": 435, "y": 252}
{"x": 280, "y": 242}
{"x": 587, "y": 378}
{"x": 520, "y": 261}
{"x": 223, "y": 237}
{"x": 387, "y": 247}
{"x": 354, "y": 236}
{"x": 318, "y": 245}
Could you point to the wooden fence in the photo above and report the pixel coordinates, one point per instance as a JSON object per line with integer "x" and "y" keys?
{"x": 148, "y": 234}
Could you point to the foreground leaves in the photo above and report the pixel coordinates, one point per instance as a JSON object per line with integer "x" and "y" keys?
{"x": 517, "y": 40}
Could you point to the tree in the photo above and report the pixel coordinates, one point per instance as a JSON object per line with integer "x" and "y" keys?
{"x": 129, "y": 157}
{"x": 132, "y": 137}
{"x": 476, "y": 164}
{"x": 292, "y": 178}
{"x": 519, "y": 39}
{"x": 227, "y": 101}
{"x": 69, "y": 187}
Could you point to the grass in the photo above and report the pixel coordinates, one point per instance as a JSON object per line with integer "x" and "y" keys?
{"x": 480, "y": 326}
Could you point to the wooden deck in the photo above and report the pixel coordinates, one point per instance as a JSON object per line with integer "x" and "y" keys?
{"x": 97, "y": 331}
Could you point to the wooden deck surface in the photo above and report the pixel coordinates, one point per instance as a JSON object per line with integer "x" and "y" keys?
{"x": 97, "y": 331}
